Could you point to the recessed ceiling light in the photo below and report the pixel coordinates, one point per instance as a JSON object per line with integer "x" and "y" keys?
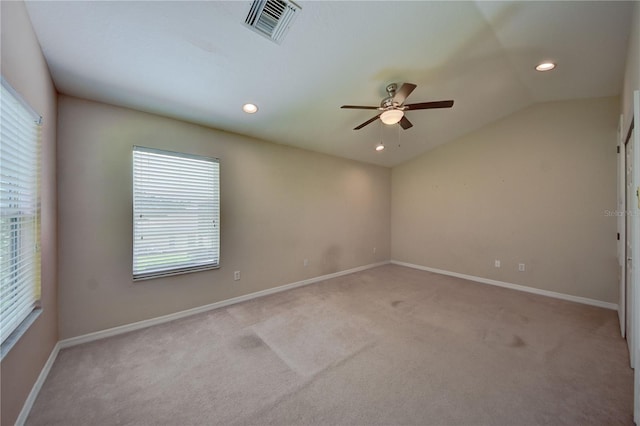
{"x": 380, "y": 147}
{"x": 250, "y": 108}
{"x": 545, "y": 66}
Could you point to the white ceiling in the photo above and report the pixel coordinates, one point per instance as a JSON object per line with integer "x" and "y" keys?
{"x": 196, "y": 61}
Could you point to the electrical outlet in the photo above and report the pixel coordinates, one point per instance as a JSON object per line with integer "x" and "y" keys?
{"x": 521, "y": 267}
{"x": 497, "y": 264}
{"x": 374, "y": 250}
{"x": 306, "y": 263}
{"x": 236, "y": 276}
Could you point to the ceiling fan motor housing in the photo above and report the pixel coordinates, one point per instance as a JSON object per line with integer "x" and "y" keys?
{"x": 391, "y": 89}
{"x": 387, "y": 103}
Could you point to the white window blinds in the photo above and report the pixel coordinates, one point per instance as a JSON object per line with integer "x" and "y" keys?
{"x": 176, "y": 213}
{"x": 19, "y": 210}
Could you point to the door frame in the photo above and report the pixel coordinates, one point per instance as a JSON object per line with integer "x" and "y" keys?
{"x": 622, "y": 228}
{"x": 631, "y": 289}
{"x": 634, "y": 210}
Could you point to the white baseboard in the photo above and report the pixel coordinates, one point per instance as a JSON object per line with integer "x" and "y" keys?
{"x": 73, "y": 341}
{"x": 35, "y": 390}
{"x": 571, "y": 298}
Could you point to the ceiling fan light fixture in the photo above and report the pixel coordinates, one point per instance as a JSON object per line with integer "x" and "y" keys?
{"x": 380, "y": 147}
{"x": 545, "y": 66}
{"x": 250, "y": 108}
{"x": 391, "y": 116}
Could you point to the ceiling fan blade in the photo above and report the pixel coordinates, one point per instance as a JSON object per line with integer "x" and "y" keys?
{"x": 404, "y": 91}
{"x": 367, "y": 122}
{"x": 406, "y": 124}
{"x": 358, "y": 107}
{"x": 429, "y": 105}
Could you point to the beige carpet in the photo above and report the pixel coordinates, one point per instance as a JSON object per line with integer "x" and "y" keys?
{"x": 386, "y": 346}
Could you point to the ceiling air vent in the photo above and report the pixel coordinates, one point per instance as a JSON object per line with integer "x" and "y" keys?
{"x": 271, "y": 18}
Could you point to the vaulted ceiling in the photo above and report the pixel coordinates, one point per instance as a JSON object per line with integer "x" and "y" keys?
{"x": 197, "y": 61}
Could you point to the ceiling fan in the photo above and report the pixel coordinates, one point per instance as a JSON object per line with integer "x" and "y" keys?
{"x": 393, "y": 106}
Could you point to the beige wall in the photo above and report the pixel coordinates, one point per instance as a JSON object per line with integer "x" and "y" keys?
{"x": 531, "y": 188}
{"x": 632, "y": 71}
{"x": 23, "y": 66}
{"x": 279, "y": 205}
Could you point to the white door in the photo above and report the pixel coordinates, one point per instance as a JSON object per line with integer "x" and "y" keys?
{"x": 633, "y": 211}
{"x": 629, "y": 288}
{"x": 622, "y": 246}
{"x": 633, "y": 263}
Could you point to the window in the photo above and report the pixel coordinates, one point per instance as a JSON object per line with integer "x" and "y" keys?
{"x": 176, "y": 211}
{"x": 19, "y": 211}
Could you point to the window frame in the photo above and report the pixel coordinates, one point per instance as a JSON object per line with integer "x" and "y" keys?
{"x": 144, "y": 274}
{"x": 25, "y": 291}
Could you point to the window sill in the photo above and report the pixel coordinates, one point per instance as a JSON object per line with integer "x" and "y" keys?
{"x": 174, "y": 272}
{"x": 13, "y": 338}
